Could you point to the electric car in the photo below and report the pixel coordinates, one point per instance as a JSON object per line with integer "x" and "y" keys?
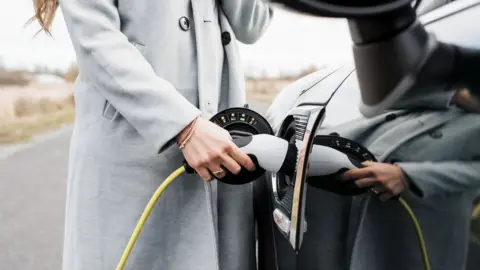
{"x": 450, "y": 21}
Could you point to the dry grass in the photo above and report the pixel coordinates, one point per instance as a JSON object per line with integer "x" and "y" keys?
{"x": 26, "y": 111}
{"x": 14, "y": 77}
{"x": 13, "y": 99}
{"x": 24, "y": 129}
{"x": 265, "y": 90}
{"x": 25, "y": 107}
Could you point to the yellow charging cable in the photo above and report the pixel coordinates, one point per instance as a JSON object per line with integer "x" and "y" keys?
{"x": 181, "y": 170}
{"x": 145, "y": 215}
{"x": 418, "y": 231}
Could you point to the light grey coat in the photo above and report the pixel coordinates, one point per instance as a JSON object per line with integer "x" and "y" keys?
{"x": 129, "y": 105}
{"x": 439, "y": 151}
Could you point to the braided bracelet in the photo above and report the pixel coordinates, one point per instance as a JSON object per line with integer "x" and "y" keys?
{"x": 189, "y": 134}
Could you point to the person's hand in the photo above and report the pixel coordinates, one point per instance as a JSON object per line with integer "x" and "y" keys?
{"x": 463, "y": 99}
{"x": 385, "y": 179}
{"x": 209, "y": 148}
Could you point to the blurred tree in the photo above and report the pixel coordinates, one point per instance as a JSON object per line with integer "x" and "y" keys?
{"x": 264, "y": 74}
{"x": 58, "y": 72}
{"x": 71, "y": 73}
{"x": 284, "y": 75}
{"x": 40, "y": 69}
{"x": 308, "y": 70}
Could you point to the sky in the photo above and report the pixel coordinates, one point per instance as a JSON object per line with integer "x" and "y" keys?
{"x": 292, "y": 42}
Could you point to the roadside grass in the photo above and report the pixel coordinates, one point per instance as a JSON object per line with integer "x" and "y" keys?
{"x": 34, "y": 117}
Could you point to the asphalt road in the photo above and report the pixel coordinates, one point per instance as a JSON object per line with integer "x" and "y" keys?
{"x": 32, "y": 197}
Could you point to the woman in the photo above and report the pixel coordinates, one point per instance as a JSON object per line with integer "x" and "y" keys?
{"x": 151, "y": 75}
{"x": 430, "y": 157}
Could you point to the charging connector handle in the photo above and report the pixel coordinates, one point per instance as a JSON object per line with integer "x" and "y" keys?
{"x": 268, "y": 152}
{"x": 273, "y": 154}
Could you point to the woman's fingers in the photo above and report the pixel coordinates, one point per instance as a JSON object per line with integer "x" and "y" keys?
{"x": 204, "y": 173}
{"x": 354, "y": 174}
{"x": 216, "y": 169}
{"x": 209, "y": 148}
{"x": 230, "y": 164}
{"x": 240, "y": 158}
{"x": 385, "y": 196}
{"x": 216, "y": 164}
{"x": 379, "y": 189}
{"x": 366, "y": 182}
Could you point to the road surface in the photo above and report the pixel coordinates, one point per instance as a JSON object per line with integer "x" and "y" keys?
{"x": 32, "y": 197}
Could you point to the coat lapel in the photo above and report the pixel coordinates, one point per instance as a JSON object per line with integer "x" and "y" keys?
{"x": 205, "y": 54}
{"x": 197, "y": 19}
{"x": 234, "y": 79}
{"x": 235, "y": 75}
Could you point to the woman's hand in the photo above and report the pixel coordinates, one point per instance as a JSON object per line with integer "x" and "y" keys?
{"x": 385, "y": 179}
{"x": 210, "y": 148}
{"x": 466, "y": 101}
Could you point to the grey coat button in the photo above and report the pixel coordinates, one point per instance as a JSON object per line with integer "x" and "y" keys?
{"x": 226, "y": 38}
{"x": 436, "y": 134}
{"x": 390, "y": 117}
{"x": 184, "y": 23}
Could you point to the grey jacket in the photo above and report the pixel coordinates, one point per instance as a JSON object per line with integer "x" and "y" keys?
{"x": 130, "y": 104}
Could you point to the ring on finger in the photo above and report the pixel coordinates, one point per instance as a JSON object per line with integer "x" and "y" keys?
{"x": 376, "y": 190}
{"x": 218, "y": 172}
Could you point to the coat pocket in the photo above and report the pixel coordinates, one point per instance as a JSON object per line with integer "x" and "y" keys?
{"x": 109, "y": 111}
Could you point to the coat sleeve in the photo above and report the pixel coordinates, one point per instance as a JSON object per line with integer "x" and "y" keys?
{"x": 249, "y": 19}
{"x": 442, "y": 178}
{"x": 122, "y": 75}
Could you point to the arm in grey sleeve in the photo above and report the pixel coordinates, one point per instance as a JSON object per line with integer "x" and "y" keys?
{"x": 442, "y": 178}
{"x": 122, "y": 75}
{"x": 249, "y": 18}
